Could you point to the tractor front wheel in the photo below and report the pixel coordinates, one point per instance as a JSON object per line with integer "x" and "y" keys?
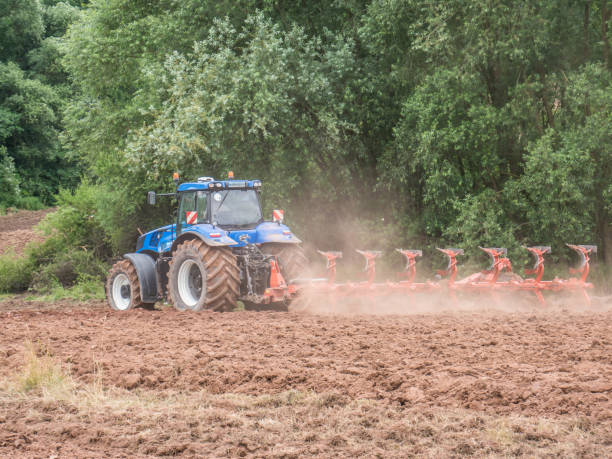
{"x": 123, "y": 287}
{"x": 203, "y": 277}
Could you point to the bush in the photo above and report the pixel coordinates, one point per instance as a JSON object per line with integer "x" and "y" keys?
{"x": 72, "y": 253}
{"x": 15, "y": 273}
{"x": 29, "y": 203}
{"x": 76, "y": 223}
{"x": 67, "y": 268}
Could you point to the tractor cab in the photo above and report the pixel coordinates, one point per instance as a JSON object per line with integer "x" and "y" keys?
{"x": 219, "y": 212}
{"x": 226, "y": 204}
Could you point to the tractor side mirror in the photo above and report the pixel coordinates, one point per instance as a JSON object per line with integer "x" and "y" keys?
{"x": 151, "y": 198}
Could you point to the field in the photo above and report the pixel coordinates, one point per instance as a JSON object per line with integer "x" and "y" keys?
{"x": 289, "y": 385}
{"x": 17, "y": 230}
{"x": 78, "y": 380}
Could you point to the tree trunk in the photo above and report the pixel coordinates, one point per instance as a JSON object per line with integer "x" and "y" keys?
{"x": 550, "y": 116}
{"x": 605, "y": 17}
{"x": 585, "y": 28}
{"x": 605, "y": 251}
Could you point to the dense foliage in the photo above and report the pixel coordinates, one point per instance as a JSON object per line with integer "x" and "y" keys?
{"x": 474, "y": 123}
{"x": 34, "y": 91}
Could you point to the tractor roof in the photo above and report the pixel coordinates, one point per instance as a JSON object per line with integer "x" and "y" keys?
{"x": 208, "y": 183}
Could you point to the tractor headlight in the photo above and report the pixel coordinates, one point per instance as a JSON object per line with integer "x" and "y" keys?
{"x": 237, "y": 184}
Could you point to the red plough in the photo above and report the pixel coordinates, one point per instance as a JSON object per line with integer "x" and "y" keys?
{"x": 499, "y": 276}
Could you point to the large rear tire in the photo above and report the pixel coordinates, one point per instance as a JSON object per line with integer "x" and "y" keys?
{"x": 123, "y": 287}
{"x": 293, "y": 264}
{"x": 203, "y": 277}
{"x": 291, "y": 259}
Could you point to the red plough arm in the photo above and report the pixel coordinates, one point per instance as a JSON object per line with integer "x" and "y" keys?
{"x": 331, "y": 258}
{"x": 370, "y": 266}
{"x": 583, "y": 251}
{"x": 538, "y": 253}
{"x": 451, "y": 268}
{"x": 410, "y": 269}
{"x": 536, "y": 284}
{"x": 499, "y": 262}
{"x": 581, "y": 284}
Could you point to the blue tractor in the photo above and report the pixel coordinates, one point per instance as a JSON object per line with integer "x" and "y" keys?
{"x": 218, "y": 251}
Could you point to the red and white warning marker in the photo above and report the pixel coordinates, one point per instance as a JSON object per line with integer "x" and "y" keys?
{"x": 191, "y": 218}
{"x": 278, "y": 215}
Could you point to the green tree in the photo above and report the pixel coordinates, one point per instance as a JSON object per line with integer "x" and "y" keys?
{"x": 21, "y": 29}
{"x": 567, "y": 183}
{"x": 33, "y": 91}
{"x": 464, "y": 122}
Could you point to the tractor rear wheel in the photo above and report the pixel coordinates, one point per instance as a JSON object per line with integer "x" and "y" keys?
{"x": 293, "y": 264}
{"x": 291, "y": 259}
{"x": 123, "y": 287}
{"x": 203, "y": 277}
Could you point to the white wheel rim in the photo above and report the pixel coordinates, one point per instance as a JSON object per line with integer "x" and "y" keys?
{"x": 122, "y": 294}
{"x": 191, "y": 283}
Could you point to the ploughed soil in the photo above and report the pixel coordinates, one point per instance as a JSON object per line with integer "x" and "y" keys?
{"x": 160, "y": 383}
{"x": 17, "y": 229}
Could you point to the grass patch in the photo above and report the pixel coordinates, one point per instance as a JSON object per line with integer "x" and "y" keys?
{"x": 66, "y": 267}
{"x": 42, "y": 372}
{"x": 86, "y": 288}
{"x": 291, "y": 423}
{"x": 15, "y": 273}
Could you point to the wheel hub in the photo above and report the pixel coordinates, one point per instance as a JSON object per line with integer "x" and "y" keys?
{"x": 191, "y": 283}
{"x": 121, "y": 292}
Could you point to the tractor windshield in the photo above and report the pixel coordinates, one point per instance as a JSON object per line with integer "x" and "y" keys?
{"x": 236, "y": 208}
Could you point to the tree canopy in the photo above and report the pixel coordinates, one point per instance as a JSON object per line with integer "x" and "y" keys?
{"x": 34, "y": 91}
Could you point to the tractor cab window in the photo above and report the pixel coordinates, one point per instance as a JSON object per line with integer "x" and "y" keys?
{"x": 235, "y": 208}
{"x": 192, "y": 210}
{"x": 201, "y": 199}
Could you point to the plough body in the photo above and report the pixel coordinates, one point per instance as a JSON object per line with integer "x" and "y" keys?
{"x": 498, "y": 277}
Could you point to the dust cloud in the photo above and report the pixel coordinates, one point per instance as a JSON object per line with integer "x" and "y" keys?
{"x": 350, "y": 232}
{"x": 440, "y": 302}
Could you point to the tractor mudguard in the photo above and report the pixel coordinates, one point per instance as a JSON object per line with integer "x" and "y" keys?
{"x": 157, "y": 241}
{"x": 212, "y": 237}
{"x": 147, "y": 277}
